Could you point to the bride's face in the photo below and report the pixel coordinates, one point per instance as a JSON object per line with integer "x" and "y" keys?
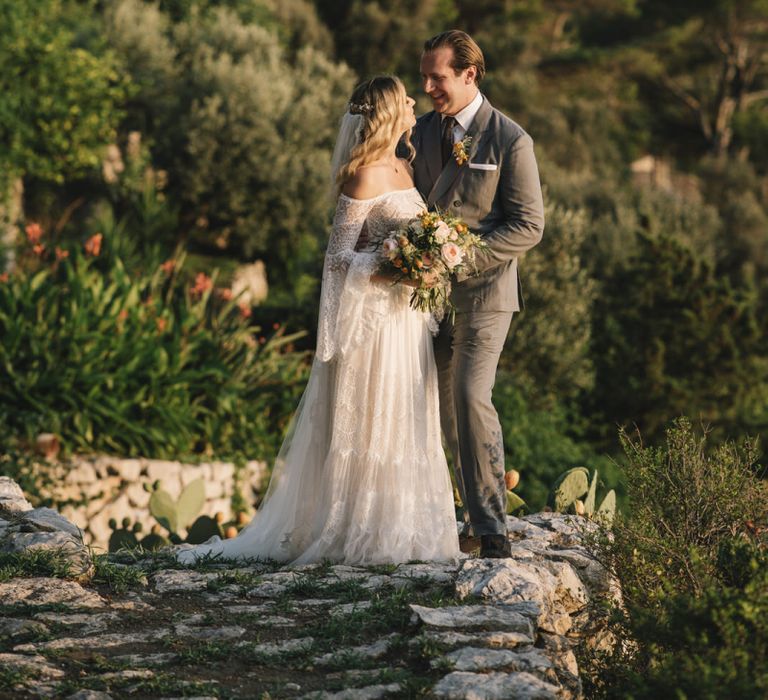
{"x": 408, "y": 117}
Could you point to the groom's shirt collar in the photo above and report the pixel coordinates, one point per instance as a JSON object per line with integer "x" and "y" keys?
{"x": 465, "y": 117}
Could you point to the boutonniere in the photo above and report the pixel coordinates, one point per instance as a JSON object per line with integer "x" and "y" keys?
{"x": 461, "y": 150}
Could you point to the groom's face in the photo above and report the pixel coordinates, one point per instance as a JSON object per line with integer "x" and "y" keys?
{"x": 449, "y": 92}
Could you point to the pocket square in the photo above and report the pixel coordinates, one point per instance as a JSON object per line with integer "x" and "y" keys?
{"x": 483, "y": 166}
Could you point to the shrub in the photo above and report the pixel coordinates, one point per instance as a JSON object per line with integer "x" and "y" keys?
{"x": 671, "y": 337}
{"x": 548, "y": 350}
{"x": 243, "y": 126}
{"x": 691, "y": 558}
{"x": 139, "y": 364}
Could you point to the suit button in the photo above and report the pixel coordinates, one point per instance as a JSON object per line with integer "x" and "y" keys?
{"x": 457, "y": 203}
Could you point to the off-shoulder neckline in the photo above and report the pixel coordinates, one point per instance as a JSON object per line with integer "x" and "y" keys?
{"x": 378, "y": 196}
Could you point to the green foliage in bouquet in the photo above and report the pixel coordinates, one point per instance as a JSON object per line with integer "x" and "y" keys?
{"x": 145, "y": 364}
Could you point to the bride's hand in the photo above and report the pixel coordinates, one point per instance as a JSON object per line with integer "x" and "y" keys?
{"x": 429, "y": 280}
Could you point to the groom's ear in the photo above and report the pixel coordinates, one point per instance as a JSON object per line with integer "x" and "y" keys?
{"x": 470, "y": 76}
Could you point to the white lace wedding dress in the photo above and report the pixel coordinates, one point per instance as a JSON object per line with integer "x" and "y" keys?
{"x": 361, "y": 477}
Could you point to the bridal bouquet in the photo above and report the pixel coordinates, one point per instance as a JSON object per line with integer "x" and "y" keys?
{"x": 429, "y": 250}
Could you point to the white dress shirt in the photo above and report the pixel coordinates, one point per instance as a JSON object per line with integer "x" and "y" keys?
{"x": 464, "y": 117}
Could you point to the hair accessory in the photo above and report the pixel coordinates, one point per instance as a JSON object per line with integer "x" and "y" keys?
{"x": 362, "y": 108}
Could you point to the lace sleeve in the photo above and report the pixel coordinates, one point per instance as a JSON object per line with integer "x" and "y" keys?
{"x": 344, "y": 270}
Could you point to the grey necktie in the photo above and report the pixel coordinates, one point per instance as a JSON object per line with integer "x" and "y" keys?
{"x": 447, "y": 138}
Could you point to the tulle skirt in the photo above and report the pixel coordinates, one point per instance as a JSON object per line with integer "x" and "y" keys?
{"x": 361, "y": 477}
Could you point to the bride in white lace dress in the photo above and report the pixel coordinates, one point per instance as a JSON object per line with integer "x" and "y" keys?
{"x": 361, "y": 477}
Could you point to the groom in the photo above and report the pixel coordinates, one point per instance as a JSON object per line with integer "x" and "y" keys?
{"x": 496, "y": 191}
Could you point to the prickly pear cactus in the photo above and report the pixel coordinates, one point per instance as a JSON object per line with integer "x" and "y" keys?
{"x": 589, "y": 503}
{"x": 607, "y": 510}
{"x": 174, "y": 516}
{"x": 570, "y": 486}
{"x": 515, "y": 504}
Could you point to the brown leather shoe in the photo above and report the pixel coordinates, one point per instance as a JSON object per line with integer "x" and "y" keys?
{"x": 469, "y": 543}
{"x": 494, "y": 547}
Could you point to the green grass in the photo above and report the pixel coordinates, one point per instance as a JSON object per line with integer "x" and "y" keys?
{"x": 35, "y": 562}
{"x": 11, "y": 677}
{"x": 119, "y": 578}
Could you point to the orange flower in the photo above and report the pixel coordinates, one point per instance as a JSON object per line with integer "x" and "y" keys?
{"x": 168, "y": 266}
{"x": 93, "y": 245}
{"x": 61, "y": 254}
{"x": 203, "y": 284}
{"x": 245, "y": 310}
{"x": 224, "y": 294}
{"x": 38, "y": 249}
{"x": 34, "y": 233}
{"x": 4, "y": 277}
{"x": 122, "y": 315}
{"x": 161, "y": 324}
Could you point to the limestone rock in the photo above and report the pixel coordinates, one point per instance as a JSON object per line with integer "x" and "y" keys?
{"x": 181, "y": 580}
{"x": 13, "y": 628}
{"x": 86, "y": 694}
{"x": 34, "y": 665}
{"x": 512, "y": 580}
{"x": 461, "y": 685}
{"x": 212, "y": 633}
{"x": 367, "y": 651}
{"x": 371, "y": 692}
{"x": 60, "y": 542}
{"x": 474, "y": 659}
{"x": 349, "y": 608}
{"x": 433, "y": 572}
{"x": 103, "y": 641}
{"x": 159, "y": 659}
{"x": 286, "y": 647}
{"x": 86, "y": 623}
{"x": 48, "y": 591}
{"x": 504, "y": 640}
{"x": 12, "y": 500}
{"x": 507, "y": 618}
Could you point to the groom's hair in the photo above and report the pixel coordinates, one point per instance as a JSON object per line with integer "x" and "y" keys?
{"x": 466, "y": 52}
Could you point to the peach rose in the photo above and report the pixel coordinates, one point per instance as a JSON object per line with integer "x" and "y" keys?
{"x": 451, "y": 254}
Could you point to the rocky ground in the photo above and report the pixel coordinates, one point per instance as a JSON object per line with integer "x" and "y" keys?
{"x": 77, "y": 626}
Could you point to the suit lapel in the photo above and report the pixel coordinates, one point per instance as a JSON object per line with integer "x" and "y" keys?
{"x": 452, "y": 170}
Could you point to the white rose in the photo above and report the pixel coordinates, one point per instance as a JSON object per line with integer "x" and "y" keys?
{"x": 389, "y": 247}
{"x": 442, "y": 232}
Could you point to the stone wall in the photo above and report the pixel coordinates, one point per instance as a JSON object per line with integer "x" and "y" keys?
{"x": 90, "y": 491}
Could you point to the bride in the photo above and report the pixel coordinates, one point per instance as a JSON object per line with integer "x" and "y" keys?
{"x": 361, "y": 477}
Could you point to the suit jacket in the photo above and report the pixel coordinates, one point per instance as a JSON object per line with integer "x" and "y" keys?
{"x": 501, "y": 201}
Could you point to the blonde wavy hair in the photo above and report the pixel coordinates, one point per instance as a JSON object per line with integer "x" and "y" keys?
{"x": 381, "y": 102}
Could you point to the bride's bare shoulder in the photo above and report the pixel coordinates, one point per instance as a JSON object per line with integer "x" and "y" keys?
{"x": 368, "y": 182}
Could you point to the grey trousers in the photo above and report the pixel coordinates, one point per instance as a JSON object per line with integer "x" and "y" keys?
{"x": 467, "y": 353}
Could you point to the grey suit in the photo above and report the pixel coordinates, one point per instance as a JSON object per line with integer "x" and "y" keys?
{"x": 504, "y": 205}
